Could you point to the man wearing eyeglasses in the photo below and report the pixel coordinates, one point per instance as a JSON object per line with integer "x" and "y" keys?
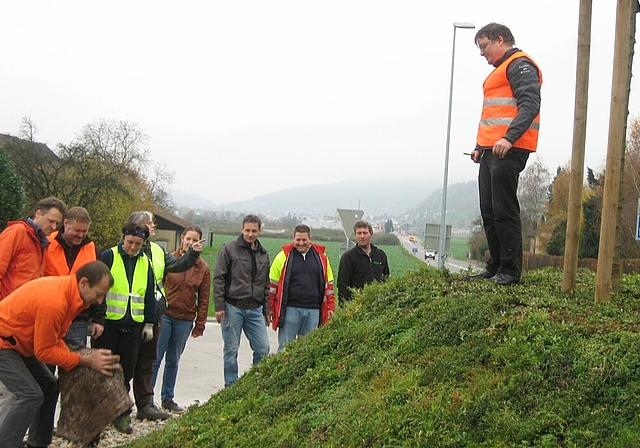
{"x": 507, "y": 135}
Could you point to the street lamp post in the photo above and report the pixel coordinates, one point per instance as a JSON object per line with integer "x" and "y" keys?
{"x": 442, "y": 241}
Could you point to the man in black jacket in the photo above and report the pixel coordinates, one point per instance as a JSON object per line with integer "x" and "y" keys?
{"x": 363, "y": 264}
{"x": 241, "y": 293}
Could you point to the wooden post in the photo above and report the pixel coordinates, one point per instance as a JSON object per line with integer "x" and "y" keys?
{"x": 622, "y": 60}
{"x": 574, "y": 210}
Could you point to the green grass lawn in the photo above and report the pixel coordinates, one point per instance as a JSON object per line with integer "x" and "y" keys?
{"x": 430, "y": 360}
{"x": 459, "y": 248}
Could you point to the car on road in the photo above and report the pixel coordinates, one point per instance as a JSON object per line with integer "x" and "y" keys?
{"x": 430, "y": 254}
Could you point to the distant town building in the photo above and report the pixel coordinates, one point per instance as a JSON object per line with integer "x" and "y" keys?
{"x": 323, "y": 223}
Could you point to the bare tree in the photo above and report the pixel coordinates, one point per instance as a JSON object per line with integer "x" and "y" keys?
{"x": 103, "y": 169}
{"x": 555, "y": 209}
{"x": 532, "y": 192}
{"x": 159, "y": 181}
{"x": 629, "y": 245}
{"x": 28, "y": 128}
{"x": 120, "y": 143}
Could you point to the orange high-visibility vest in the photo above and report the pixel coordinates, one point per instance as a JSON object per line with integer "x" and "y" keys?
{"x": 55, "y": 262}
{"x": 499, "y": 109}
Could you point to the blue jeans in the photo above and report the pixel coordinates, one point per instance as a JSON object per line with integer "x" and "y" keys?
{"x": 297, "y": 322}
{"x": 35, "y": 394}
{"x": 77, "y": 335}
{"x": 172, "y": 341}
{"x": 255, "y": 329}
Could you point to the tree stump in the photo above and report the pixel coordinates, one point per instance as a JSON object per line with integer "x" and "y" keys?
{"x": 89, "y": 402}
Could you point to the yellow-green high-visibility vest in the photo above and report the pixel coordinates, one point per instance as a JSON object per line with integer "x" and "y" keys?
{"x": 120, "y": 293}
{"x": 157, "y": 261}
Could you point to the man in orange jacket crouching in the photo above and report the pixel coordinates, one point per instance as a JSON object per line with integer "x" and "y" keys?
{"x": 32, "y": 325}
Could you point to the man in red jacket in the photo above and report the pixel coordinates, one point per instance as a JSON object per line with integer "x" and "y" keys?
{"x": 31, "y": 329}
{"x": 23, "y": 242}
{"x": 301, "y": 294}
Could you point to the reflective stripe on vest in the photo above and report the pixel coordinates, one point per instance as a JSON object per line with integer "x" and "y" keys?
{"x": 157, "y": 261}
{"x": 122, "y": 294}
{"x": 499, "y": 108}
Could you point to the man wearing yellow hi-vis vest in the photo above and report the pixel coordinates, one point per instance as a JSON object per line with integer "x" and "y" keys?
{"x": 130, "y": 305}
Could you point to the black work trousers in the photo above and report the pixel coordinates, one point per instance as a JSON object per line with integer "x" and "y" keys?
{"x": 124, "y": 342}
{"x": 500, "y": 210}
{"x": 143, "y": 370}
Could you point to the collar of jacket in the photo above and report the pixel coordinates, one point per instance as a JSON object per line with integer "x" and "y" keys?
{"x": 362, "y": 252}
{"x": 506, "y": 54}
{"x": 44, "y": 241}
{"x": 243, "y": 243}
{"x": 124, "y": 254}
{"x": 287, "y": 248}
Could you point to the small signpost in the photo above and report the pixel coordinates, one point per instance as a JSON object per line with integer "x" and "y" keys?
{"x": 348, "y": 217}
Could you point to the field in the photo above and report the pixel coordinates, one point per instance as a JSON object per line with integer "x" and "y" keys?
{"x": 459, "y": 248}
{"x": 399, "y": 260}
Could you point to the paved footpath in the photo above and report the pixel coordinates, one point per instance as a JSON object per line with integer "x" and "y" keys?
{"x": 200, "y": 374}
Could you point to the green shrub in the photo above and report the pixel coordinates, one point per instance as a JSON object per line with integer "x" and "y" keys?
{"x": 428, "y": 359}
{"x": 11, "y": 191}
{"x": 385, "y": 239}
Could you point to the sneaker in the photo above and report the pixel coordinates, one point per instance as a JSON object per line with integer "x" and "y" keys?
{"x": 171, "y": 405}
{"x": 151, "y": 412}
{"x": 123, "y": 424}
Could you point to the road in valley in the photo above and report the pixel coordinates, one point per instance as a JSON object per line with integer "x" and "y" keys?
{"x": 451, "y": 264}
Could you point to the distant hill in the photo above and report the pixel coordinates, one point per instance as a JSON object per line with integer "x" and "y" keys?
{"x": 463, "y": 205}
{"x": 394, "y": 198}
{"x": 193, "y": 201}
{"x": 390, "y": 197}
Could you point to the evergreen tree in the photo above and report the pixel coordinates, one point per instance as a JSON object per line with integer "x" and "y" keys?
{"x": 11, "y": 191}
{"x": 590, "y": 232}
{"x": 388, "y": 226}
{"x": 592, "y": 180}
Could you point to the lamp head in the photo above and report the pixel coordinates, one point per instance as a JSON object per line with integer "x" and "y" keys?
{"x": 468, "y": 25}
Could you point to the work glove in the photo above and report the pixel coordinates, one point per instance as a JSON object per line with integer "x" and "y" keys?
{"x": 147, "y": 332}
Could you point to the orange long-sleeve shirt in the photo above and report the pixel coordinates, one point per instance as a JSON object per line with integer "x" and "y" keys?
{"x": 37, "y": 315}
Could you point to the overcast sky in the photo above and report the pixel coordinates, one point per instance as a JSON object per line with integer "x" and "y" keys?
{"x": 242, "y": 98}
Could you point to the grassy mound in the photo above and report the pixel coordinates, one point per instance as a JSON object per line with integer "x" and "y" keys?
{"x": 429, "y": 359}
